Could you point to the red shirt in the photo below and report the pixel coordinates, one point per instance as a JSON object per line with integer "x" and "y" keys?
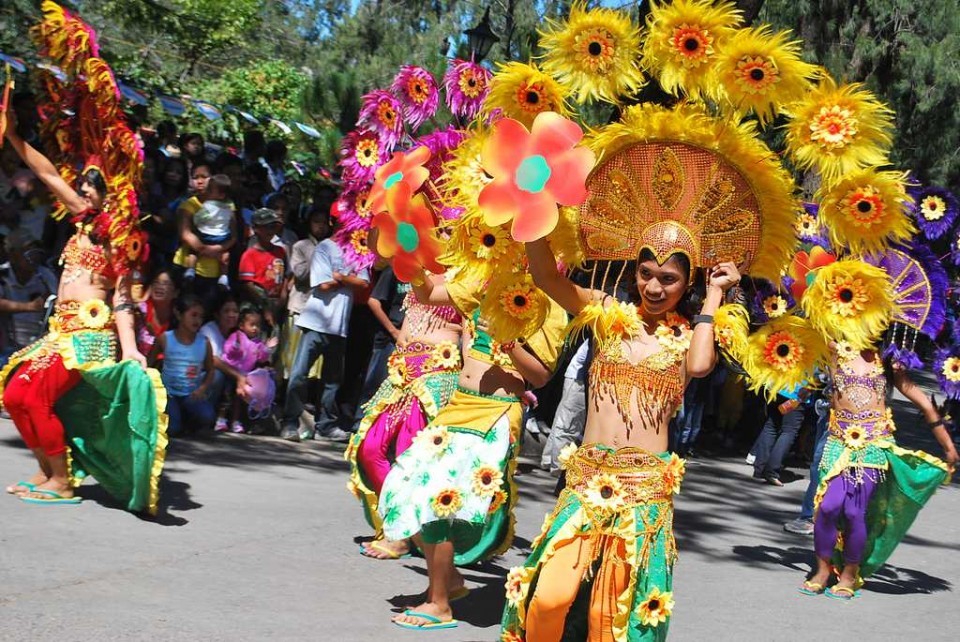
{"x": 266, "y": 268}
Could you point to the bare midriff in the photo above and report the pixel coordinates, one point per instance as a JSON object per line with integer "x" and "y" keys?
{"x": 83, "y": 280}
{"x": 490, "y": 379}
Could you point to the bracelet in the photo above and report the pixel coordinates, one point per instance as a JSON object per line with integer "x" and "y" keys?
{"x": 702, "y": 318}
{"x": 123, "y": 307}
{"x": 937, "y": 423}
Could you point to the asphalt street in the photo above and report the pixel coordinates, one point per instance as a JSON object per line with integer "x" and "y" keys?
{"x": 257, "y": 540}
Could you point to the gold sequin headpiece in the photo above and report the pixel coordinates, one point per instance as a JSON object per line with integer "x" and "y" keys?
{"x": 681, "y": 181}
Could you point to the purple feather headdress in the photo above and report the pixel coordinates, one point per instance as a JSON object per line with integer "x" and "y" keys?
{"x": 361, "y": 153}
{"x": 769, "y": 302}
{"x": 809, "y": 228}
{"x": 352, "y": 241}
{"x": 935, "y": 210}
{"x": 382, "y": 112}
{"x": 352, "y": 206}
{"x": 441, "y": 144}
{"x": 419, "y": 93}
{"x": 946, "y": 365}
{"x": 467, "y": 85}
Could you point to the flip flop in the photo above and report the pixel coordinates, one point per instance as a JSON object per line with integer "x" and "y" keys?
{"x": 52, "y": 497}
{"x": 842, "y": 593}
{"x": 20, "y": 484}
{"x": 811, "y": 588}
{"x": 377, "y": 546}
{"x": 431, "y": 623}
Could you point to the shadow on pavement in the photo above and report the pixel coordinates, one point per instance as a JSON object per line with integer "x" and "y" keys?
{"x": 481, "y": 608}
{"x": 889, "y": 580}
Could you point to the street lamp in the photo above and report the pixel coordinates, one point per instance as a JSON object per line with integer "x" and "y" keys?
{"x": 481, "y": 38}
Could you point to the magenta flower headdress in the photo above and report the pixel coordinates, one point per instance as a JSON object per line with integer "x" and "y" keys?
{"x": 418, "y": 91}
{"x": 382, "y": 112}
{"x": 467, "y": 85}
{"x": 935, "y": 210}
{"x": 361, "y": 153}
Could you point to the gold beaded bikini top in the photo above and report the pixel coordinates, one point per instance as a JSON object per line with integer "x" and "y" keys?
{"x": 861, "y": 389}
{"x": 77, "y": 258}
{"x": 654, "y": 385}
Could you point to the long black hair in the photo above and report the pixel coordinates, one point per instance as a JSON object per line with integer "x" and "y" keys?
{"x": 94, "y": 178}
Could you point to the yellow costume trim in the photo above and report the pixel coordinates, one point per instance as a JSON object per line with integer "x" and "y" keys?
{"x": 522, "y": 91}
{"x": 731, "y": 327}
{"x": 160, "y": 450}
{"x": 782, "y": 355}
{"x": 850, "y": 301}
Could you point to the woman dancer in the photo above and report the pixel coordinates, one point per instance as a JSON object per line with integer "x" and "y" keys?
{"x": 865, "y": 479}
{"x": 451, "y": 491}
{"x": 84, "y": 332}
{"x": 422, "y": 374}
{"x": 614, "y": 520}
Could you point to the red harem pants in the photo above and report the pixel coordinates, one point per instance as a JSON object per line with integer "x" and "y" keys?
{"x": 29, "y": 398}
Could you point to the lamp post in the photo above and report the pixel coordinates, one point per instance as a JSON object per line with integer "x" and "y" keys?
{"x": 481, "y": 38}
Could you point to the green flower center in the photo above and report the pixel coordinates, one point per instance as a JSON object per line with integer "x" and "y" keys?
{"x": 407, "y": 237}
{"x": 532, "y": 174}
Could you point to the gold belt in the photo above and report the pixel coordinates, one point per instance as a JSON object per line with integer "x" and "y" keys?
{"x": 610, "y": 480}
{"x": 74, "y": 316}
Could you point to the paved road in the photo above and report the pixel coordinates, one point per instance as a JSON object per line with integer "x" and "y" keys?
{"x": 257, "y": 542}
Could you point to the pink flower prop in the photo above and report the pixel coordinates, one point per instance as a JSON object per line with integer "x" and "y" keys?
{"x": 407, "y": 168}
{"x": 419, "y": 93}
{"x": 533, "y": 171}
{"x": 381, "y": 111}
{"x": 405, "y": 233}
{"x": 467, "y": 85}
{"x": 361, "y": 153}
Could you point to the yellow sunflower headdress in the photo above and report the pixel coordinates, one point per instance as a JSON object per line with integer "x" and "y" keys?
{"x": 680, "y": 181}
{"x": 596, "y": 53}
{"x": 850, "y": 301}
{"x": 783, "y": 354}
{"x": 522, "y": 91}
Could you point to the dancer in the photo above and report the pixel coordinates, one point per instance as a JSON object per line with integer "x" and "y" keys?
{"x": 423, "y": 372}
{"x": 868, "y": 484}
{"x": 452, "y": 490}
{"x": 115, "y": 429}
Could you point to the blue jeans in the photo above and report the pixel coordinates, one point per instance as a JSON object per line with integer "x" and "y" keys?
{"x": 806, "y": 508}
{"x": 376, "y": 374}
{"x": 186, "y": 411}
{"x": 312, "y": 345}
{"x": 775, "y": 440}
{"x": 691, "y": 416}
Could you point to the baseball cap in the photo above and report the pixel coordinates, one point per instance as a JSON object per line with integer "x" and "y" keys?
{"x": 264, "y": 216}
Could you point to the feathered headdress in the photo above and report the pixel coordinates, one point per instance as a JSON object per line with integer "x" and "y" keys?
{"x": 85, "y": 128}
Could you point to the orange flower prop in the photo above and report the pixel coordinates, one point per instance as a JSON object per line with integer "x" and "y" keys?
{"x": 532, "y": 172}
{"x": 406, "y": 234}
{"x": 407, "y": 168}
{"x": 804, "y": 266}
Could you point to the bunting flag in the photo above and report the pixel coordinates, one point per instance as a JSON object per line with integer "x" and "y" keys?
{"x": 279, "y": 124}
{"x": 53, "y": 69}
{"x": 133, "y": 95}
{"x": 16, "y": 63}
{"x": 171, "y": 105}
{"x": 250, "y": 118}
{"x": 308, "y": 130}
{"x": 209, "y": 111}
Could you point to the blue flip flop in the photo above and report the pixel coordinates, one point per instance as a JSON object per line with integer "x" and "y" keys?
{"x": 432, "y": 622}
{"x": 51, "y": 497}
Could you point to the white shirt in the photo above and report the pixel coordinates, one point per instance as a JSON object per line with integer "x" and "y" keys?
{"x": 328, "y": 311}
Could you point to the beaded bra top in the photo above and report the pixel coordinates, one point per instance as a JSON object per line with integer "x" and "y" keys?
{"x": 653, "y": 387}
{"x": 77, "y": 259}
{"x": 861, "y": 389}
{"x": 424, "y": 319}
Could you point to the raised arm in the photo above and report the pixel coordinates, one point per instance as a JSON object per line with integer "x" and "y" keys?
{"x": 543, "y": 268}
{"x": 702, "y": 356}
{"x": 45, "y": 171}
{"x": 913, "y": 392}
{"x": 529, "y": 367}
{"x": 432, "y": 290}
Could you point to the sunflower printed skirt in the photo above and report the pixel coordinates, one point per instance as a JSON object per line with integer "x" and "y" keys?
{"x": 114, "y": 418}
{"x": 620, "y": 502}
{"x": 455, "y": 482}
{"x": 416, "y": 387}
{"x": 908, "y": 480}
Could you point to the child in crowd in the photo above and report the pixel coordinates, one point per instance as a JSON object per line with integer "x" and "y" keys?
{"x": 186, "y": 356}
{"x": 244, "y": 351}
{"x": 263, "y": 266}
{"x": 213, "y": 224}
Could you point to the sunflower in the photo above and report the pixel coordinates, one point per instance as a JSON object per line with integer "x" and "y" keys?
{"x": 759, "y": 71}
{"x": 517, "y": 299}
{"x": 867, "y": 210}
{"x": 845, "y": 351}
{"x": 133, "y": 246}
{"x": 595, "y": 52}
{"x": 850, "y": 301}
{"x": 782, "y": 351}
{"x": 775, "y": 306}
{"x": 518, "y": 583}
{"x": 673, "y": 475}
{"x": 358, "y": 239}
{"x": 837, "y": 130}
{"x": 731, "y": 325}
{"x": 419, "y": 93}
{"x": 951, "y": 369}
{"x": 94, "y": 314}
{"x": 447, "y": 502}
{"x": 496, "y": 501}
{"x": 396, "y": 369}
{"x": 521, "y": 91}
{"x": 605, "y": 493}
{"x": 435, "y": 440}
{"x": 936, "y": 210}
{"x": 485, "y": 242}
{"x": 656, "y": 608}
{"x": 806, "y": 226}
{"x": 446, "y": 355}
{"x": 486, "y": 480}
{"x": 782, "y": 354}
{"x": 854, "y": 437}
{"x": 361, "y": 153}
{"x": 682, "y": 40}
{"x": 566, "y": 454}
{"x": 513, "y": 305}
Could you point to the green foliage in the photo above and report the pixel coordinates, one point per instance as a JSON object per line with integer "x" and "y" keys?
{"x": 906, "y": 52}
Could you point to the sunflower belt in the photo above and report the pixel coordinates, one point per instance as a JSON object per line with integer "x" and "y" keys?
{"x": 857, "y": 430}
{"x": 618, "y": 480}
{"x": 409, "y": 362}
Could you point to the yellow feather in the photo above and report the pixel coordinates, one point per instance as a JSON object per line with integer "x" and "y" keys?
{"x": 782, "y": 355}
{"x": 731, "y": 327}
{"x": 522, "y": 91}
